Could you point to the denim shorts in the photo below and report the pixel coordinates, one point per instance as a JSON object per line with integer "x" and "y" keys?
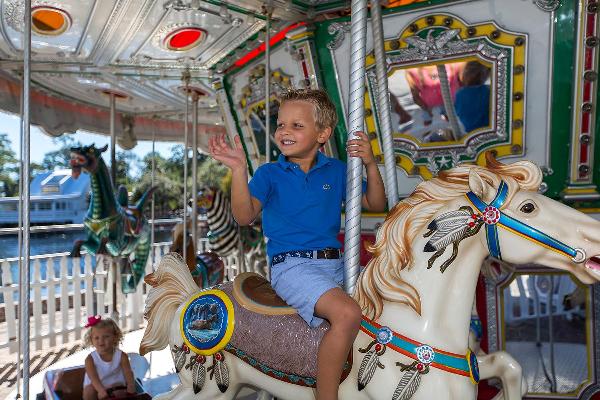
{"x": 302, "y": 281}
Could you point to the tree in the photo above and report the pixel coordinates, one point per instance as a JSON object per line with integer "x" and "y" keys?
{"x": 9, "y": 167}
{"x": 59, "y": 158}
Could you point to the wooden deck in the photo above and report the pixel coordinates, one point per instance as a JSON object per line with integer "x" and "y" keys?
{"x": 39, "y": 360}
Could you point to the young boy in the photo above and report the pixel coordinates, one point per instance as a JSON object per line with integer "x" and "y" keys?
{"x": 301, "y": 197}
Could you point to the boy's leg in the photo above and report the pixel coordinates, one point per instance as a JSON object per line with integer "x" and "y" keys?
{"x": 344, "y": 316}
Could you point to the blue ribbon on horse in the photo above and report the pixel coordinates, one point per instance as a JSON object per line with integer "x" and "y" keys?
{"x": 493, "y": 217}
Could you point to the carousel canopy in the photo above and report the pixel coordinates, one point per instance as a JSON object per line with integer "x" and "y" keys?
{"x": 144, "y": 52}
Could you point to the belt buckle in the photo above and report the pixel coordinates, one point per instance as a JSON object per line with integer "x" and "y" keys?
{"x": 330, "y": 253}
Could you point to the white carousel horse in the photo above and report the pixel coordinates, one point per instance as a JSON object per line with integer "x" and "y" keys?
{"x": 413, "y": 342}
{"x": 498, "y": 364}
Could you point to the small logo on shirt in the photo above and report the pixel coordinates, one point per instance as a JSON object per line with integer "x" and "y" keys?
{"x": 326, "y": 186}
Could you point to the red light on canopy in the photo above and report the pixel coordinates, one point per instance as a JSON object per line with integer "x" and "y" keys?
{"x": 260, "y": 49}
{"x": 184, "y": 39}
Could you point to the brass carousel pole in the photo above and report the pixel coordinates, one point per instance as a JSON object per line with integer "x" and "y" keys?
{"x": 384, "y": 105}
{"x": 356, "y": 117}
{"x": 268, "y": 86}
{"x": 24, "y": 273}
{"x": 195, "y": 169}
{"x": 113, "y": 176}
{"x": 186, "y": 79}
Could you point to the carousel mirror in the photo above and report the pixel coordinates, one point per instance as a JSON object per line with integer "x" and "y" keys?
{"x": 419, "y": 100}
{"x": 456, "y": 91}
{"x": 252, "y": 109}
{"x": 546, "y": 324}
{"x": 256, "y": 119}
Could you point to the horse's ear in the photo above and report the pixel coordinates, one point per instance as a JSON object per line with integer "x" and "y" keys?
{"x": 480, "y": 187}
{"x": 103, "y": 148}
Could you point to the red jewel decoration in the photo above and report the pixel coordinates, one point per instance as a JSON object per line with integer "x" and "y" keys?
{"x": 420, "y": 367}
{"x": 474, "y": 216}
{"x": 378, "y": 347}
{"x": 218, "y": 356}
{"x": 471, "y": 224}
{"x": 200, "y": 359}
{"x": 185, "y": 348}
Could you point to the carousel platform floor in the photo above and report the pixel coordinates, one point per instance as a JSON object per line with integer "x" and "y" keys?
{"x": 159, "y": 378}
{"x": 570, "y": 365}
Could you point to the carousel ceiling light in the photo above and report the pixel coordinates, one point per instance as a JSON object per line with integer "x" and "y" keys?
{"x": 49, "y": 21}
{"x": 185, "y": 38}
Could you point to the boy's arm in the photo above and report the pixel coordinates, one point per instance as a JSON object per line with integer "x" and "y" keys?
{"x": 245, "y": 207}
{"x": 90, "y": 369}
{"x": 128, "y": 373}
{"x": 374, "y": 199}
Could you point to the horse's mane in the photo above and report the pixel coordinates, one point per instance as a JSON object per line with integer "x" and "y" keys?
{"x": 382, "y": 278}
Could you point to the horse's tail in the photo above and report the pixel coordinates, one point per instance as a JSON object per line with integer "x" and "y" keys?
{"x": 142, "y": 201}
{"x": 172, "y": 284}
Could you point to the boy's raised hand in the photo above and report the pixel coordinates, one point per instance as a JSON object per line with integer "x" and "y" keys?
{"x": 232, "y": 157}
{"x": 361, "y": 148}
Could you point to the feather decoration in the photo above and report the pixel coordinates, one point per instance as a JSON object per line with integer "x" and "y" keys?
{"x": 448, "y": 230}
{"x": 367, "y": 368}
{"x": 198, "y": 376}
{"x": 179, "y": 356}
{"x": 408, "y": 385}
{"x": 221, "y": 372}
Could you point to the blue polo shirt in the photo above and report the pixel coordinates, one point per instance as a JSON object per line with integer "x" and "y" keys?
{"x": 301, "y": 211}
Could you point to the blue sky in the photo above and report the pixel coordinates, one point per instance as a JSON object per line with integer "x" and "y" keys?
{"x": 42, "y": 143}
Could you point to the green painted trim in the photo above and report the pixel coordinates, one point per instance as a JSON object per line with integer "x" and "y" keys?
{"x": 325, "y": 63}
{"x": 227, "y": 88}
{"x": 563, "y": 88}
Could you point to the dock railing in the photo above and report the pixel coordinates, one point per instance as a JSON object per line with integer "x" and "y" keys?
{"x": 65, "y": 290}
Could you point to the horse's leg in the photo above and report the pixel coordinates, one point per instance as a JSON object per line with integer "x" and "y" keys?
{"x": 502, "y": 365}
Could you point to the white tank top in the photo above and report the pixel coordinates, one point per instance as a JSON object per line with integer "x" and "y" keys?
{"x": 110, "y": 373}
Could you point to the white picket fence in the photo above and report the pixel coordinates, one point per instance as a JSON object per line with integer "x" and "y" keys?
{"x": 64, "y": 291}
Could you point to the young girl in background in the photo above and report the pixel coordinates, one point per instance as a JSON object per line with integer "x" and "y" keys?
{"x": 107, "y": 369}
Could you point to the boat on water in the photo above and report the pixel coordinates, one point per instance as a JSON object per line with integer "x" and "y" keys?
{"x": 461, "y": 78}
{"x": 56, "y": 198}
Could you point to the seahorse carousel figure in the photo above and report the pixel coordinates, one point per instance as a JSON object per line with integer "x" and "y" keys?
{"x": 416, "y": 296}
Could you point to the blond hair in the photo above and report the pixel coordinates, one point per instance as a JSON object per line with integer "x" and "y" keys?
{"x": 104, "y": 323}
{"x": 392, "y": 252}
{"x": 325, "y": 112}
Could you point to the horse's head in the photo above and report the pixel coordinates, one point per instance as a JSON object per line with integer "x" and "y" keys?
{"x": 527, "y": 227}
{"x": 467, "y": 212}
{"x": 86, "y": 158}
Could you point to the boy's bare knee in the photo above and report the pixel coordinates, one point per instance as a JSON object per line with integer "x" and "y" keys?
{"x": 348, "y": 316}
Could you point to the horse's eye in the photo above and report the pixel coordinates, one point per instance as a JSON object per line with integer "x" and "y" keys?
{"x": 527, "y": 208}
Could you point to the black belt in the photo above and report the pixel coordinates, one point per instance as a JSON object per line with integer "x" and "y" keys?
{"x": 328, "y": 253}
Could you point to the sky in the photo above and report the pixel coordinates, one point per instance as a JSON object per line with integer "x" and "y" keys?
{"x": 40, "y": 143}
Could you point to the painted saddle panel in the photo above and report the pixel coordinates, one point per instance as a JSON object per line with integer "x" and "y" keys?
{"x": 291, "y": 355}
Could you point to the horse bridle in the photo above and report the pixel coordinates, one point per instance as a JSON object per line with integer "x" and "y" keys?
{"x": 493, "y": 218}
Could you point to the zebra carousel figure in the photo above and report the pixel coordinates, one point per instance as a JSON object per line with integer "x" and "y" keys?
{"x": 227, "y": 238}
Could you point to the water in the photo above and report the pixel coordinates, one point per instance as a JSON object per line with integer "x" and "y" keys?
{"x": 50, "y": 243}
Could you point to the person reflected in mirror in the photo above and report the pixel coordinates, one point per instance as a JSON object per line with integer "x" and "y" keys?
{"x": 426, "y": 90}
{"x": 472, "y": 102}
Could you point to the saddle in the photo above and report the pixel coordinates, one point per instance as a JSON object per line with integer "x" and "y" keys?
{"x": 254, "y": 293}
{"x": 263, "y": 317}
